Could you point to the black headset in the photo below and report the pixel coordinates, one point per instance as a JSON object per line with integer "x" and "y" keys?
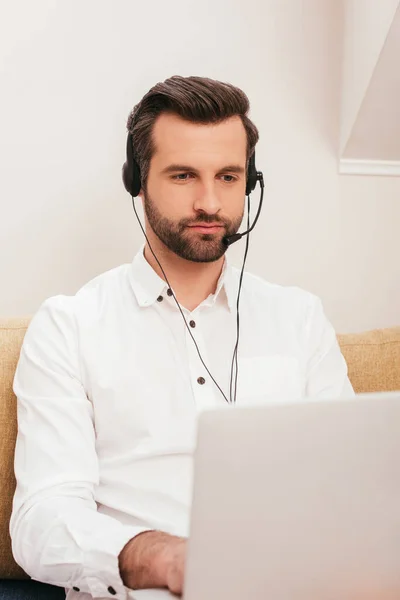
{"x": 133, "y": 184}
{"x": 132, "y": 180}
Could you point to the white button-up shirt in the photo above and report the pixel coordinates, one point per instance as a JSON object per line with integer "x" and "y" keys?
{"x": 109, "y": 385}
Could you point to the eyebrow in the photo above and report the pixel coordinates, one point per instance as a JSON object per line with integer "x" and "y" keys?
{"x": 176, "y": 167}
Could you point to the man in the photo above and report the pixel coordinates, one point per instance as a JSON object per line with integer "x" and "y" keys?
{"x": 110, "y": 381}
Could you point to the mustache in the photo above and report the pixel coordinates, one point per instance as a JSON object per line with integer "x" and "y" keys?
{"x": 204, "y": 218}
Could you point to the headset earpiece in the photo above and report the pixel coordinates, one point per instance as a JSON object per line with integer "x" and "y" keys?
{"x": 131, "y": 171}
{"x": 252, "y": 176}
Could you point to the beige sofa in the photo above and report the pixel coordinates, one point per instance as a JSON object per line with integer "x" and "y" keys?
{"x": 373, "y": 359}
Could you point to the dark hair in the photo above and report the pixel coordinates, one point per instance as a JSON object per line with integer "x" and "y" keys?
{"x": 196, "y": 99}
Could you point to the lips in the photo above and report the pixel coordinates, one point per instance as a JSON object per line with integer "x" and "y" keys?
{"x": 207, "y": 228}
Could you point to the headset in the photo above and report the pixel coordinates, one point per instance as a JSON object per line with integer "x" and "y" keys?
{"x": 133, "y": 184}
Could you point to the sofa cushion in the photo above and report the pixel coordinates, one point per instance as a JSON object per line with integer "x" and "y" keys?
{"x": 12, "y": 332}
{"x": 373, "y": 360}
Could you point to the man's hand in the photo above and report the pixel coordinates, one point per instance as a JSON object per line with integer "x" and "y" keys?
{"x": 176, "y": 566}
{"x": 154, "y": 560}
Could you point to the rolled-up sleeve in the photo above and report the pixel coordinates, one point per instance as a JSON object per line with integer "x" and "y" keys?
{"x": 326, "y": 367}
{"x": 58, "y": 536}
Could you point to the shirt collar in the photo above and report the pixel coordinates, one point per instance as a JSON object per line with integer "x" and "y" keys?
{"x": 148, "y": 286}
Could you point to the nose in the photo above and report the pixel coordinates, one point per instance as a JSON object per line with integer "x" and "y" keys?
{"x": 207, "y": 199}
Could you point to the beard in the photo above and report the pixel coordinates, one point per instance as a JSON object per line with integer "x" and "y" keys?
{"x": 188, "y": 244}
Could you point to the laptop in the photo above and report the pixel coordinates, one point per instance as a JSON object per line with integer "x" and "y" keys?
{"x": 296, "y": 501}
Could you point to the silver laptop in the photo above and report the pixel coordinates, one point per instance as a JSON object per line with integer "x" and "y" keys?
{"x": 297, "y": 501}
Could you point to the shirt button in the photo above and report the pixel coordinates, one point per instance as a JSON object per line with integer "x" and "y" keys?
{"x": 76, "y": 589}
{"x": 169, "y": 292}
{"x": 201, "y": 380}
{"x": 111, "y": 591}
{"x": 160, "y": 299}
{"x": 192, "y": 324}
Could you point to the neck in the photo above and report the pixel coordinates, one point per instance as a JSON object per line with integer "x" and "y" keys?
{"x": 192, "y": 282}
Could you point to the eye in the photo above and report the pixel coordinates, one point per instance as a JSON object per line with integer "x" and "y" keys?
{"x": 181, "y": 176}
{"x": 230, "y": 179}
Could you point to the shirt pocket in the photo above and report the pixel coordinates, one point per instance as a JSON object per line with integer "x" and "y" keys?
{"x": 264, "y": 379}
{"x": 173, "y": 435}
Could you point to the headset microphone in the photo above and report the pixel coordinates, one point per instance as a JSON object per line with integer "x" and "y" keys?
{"x": 231, "y": 239}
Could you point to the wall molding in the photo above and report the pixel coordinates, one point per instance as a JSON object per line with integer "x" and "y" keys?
{"x": 353, "y": 166}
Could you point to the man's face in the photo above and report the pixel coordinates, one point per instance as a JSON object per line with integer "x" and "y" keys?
{"x": 196, "y": 185}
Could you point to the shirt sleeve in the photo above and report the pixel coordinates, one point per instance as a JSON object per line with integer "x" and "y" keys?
{"x": 58, "y": 536}
{"x": 326, "y": 369}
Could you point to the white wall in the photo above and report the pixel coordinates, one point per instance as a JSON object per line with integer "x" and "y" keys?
{"x": 375, "y": 131}
{"x": 70, "y": 73}
{"x": 366, "y": 26}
